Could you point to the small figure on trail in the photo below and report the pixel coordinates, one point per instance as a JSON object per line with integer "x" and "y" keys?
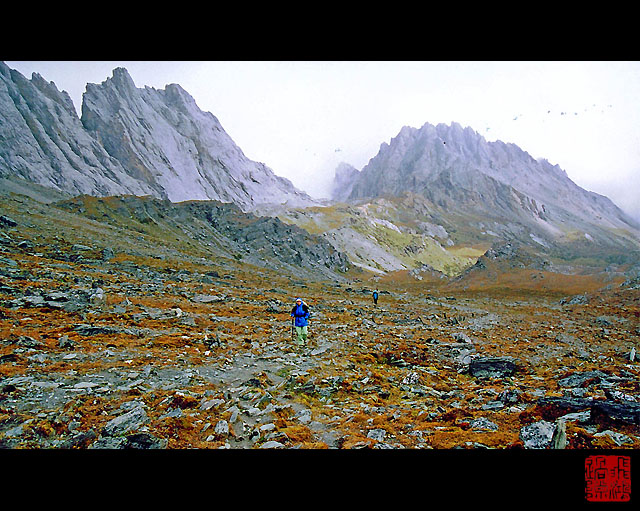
{"x": 375, "y": 297}
{"x": 300, "y": 315}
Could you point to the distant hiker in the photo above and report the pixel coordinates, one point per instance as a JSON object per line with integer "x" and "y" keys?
{"x": 300, "y": 313}
{"x": 375, "y": 297}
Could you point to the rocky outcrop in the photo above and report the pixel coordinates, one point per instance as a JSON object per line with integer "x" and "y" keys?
{"x": 263, "y": 241}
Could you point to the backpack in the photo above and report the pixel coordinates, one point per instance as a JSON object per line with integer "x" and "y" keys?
{"x": 305, "y": 308}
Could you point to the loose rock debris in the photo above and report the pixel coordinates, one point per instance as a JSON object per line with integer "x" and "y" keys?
{"x": 139, "y": 351}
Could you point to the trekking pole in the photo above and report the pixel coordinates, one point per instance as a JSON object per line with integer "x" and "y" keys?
{"x": 293, "y": 329}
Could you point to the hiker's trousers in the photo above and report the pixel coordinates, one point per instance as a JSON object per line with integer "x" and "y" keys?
{"x": 302, "y": 334}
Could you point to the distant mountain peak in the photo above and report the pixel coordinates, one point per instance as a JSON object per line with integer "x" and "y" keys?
{"x": 457, "y": 170}
{"x": 345, "y": 175}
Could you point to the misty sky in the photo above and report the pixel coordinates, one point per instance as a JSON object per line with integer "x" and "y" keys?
{"x": 302, "y": 118}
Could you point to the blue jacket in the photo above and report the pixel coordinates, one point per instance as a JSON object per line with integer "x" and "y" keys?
{"x": 301, "y": 313}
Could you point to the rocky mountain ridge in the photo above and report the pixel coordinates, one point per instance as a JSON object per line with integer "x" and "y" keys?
{"x": 416, "y": 158}
{"x": 128, "y": 141}
{"x": 457, "y": 169}
{"x": 223, "y": 230}
{"x": 433, "y": 199}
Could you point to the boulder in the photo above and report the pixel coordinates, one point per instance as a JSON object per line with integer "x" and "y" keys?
{"x": 538, "y": 435}
{"x": 492, "y": 367}
{"x": 125, "y": 423}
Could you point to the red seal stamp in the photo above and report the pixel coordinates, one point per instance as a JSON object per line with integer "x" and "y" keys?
{"x": 607, "y": 478}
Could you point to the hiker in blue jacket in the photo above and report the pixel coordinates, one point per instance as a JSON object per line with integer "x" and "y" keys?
{"x": 300, "y": 313}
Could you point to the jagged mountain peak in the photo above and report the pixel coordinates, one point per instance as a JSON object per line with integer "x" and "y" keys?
{"x": 128, "y": 140}
{"x": 181, "y": 151}
{"x": 121, "y": 79}
{"x": 178, "y": 97}
{"x": 49, "y": 89}
{"x": 459, "y": 172}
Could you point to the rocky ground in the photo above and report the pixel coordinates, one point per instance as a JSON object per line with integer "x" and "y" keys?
{"x": 112, "y": 342}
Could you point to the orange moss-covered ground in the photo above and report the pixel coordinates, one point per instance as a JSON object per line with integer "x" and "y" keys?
{"x": 351, "y": 388}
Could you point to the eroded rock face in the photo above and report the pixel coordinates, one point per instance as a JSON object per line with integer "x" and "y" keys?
{"x": 43, "y": 141}
{"x": 456, "y": 169}
{"x": 345, "y": 176}
{"x": 128, "y": 141}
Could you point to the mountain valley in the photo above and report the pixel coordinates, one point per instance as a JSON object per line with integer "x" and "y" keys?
{"x": 148, "y": 270}
{"x": 129, "y": 336}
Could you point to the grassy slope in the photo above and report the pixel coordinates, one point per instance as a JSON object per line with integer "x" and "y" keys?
{"x": 395, "y": 230}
